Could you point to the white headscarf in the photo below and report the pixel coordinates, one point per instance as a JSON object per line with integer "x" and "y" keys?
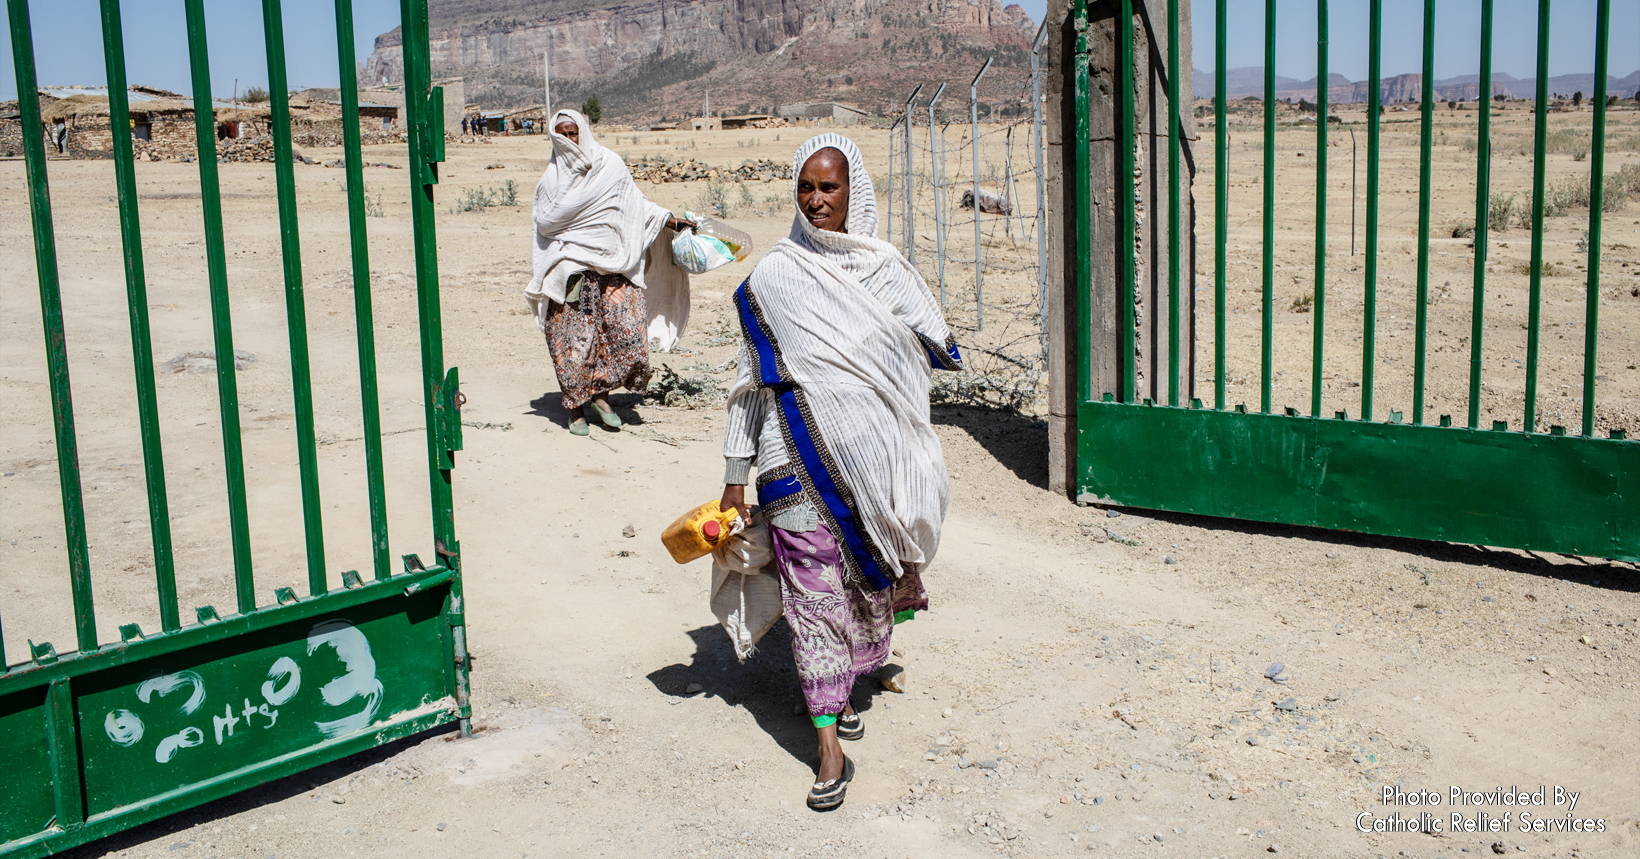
{"x": 588, "y": 214}
{"x": 878, "y": 266}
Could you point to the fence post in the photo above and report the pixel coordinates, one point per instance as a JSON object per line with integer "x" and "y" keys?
{"x": 888, "y": 213}
{"x": 973, "y": 119}
{"x": 910, "y": 200}
{"x": 934, "y": 163}
{"x": 1037, "y": 45}
{"x": 1008, "y": 180}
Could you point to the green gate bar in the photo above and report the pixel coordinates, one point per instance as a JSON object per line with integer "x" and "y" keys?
{"x": 1173, "y": 123}
{"x": 424, "y": 109}
{"x": 136, "y": 295}
{"x": 1127, "y": 231}
{"x": 1320, "y": 308}
{"x": 1267, "y": 338}
{"x": 1597, "y": 203}
{"x": 210, "y": 193}
{"x": 273, "y": 29}
{"x": 1369, "y": 334}
{"x": 51, "y": 312}
{"x": 1081, "y": 196}
{"x": 1426, "y": 137}
{"x": 1483, "y": 210}
{"x": 364, "y": 317}
{"x": 1540, "y": 143}
{"x": 1221, "y": 190}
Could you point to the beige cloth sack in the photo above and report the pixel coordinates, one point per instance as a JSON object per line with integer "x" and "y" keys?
{"x": 745, "y": 592}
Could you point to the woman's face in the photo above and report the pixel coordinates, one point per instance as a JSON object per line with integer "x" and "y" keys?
{"x": 822, "y": 190}
{"x": 569, "y": 129}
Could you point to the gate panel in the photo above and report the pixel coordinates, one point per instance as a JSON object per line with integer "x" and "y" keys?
{"x": 1516, "y": 483}
{"x": 1452, "y": 484}
{"x": 109, "y": 735}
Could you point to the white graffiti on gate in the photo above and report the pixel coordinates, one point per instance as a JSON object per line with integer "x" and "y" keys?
{"x": 284, "y": 679}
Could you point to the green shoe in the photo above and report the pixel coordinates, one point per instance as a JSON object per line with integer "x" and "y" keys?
{"x": 610, "y": 419}
{"x": 579, "y": 426}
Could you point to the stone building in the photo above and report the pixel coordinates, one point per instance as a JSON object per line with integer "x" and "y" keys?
{"x": 822, "y": 114}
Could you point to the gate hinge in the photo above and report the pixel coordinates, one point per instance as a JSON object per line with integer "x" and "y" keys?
{"x": 431, "y": 130}
{"x": 447, "y": 418}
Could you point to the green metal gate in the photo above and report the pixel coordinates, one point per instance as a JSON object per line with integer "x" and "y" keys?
{"x": 1553, "y": 490}
{"x": 114, "y": 734}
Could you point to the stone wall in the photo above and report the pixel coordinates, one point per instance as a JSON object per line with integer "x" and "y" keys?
{"x": 11, "y": 138}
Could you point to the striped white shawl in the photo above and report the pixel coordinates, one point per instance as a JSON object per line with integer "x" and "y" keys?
{"x": 846, "y": 332}
{"x": 589, "y": 214}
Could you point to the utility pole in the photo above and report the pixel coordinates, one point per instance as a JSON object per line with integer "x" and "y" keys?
{"x": 973, "y": 117}
{"x": 910, "y": 201}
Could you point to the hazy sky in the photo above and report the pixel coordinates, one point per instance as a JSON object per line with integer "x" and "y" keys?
{"x": 68, "y": 44}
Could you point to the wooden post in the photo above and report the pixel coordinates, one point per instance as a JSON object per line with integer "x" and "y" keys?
{"x": 1066, "y": 237}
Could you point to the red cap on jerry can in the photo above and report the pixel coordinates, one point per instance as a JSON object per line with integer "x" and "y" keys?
{"x": 711, "y": 529}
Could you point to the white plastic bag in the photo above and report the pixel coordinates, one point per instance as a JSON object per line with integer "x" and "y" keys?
{"x": 745, "y": 588}
{"x": 698, "y": 254}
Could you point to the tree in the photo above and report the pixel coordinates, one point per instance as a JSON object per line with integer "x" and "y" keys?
{"x": 255, "y": 95}
{"x": 592, "y": 110}
{"x": 1577, "y": 99}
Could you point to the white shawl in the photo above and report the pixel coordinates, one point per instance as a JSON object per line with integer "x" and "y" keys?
{"x": 851, "y": 325}
{"x": 589, "y": 214}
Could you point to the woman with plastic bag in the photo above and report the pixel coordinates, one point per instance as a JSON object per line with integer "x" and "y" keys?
{"x": 830, "y": 403}
{"x": 599, "y": 248}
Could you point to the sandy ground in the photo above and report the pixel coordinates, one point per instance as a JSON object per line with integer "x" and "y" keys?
{"x": 1087, "y": 684}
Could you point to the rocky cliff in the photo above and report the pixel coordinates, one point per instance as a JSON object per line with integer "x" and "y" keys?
{"x": 648, "y": 58}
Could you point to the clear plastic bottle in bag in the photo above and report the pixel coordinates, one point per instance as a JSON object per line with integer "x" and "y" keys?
{"x": 738, "y": 242}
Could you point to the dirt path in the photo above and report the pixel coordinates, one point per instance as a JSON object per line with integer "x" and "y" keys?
{"x": 1086, "y": 684}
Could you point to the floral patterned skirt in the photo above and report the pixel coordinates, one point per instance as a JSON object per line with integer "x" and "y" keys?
{"x": 839, "y": 631}
{"x": 600, "y": 341}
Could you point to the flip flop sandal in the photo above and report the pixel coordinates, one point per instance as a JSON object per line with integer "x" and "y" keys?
{"x": 610, "y": 419}
{"x": 850, "y": 727}
{"x": 827, "y": 795}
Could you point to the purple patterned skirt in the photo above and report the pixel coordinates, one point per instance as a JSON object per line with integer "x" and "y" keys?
{"x": 840, "y": 630}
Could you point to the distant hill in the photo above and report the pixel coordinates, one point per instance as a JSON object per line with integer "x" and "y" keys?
{"x": 1249, "y": 81}
{"x": 649, "y": 59}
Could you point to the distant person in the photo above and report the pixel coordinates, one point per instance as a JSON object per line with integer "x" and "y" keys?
{"x": 592, "y": 267}
{"x": 830, "y": 402}
{"x": 464, "y": 126}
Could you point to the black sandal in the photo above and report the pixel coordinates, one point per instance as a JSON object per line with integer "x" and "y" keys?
{"x": 850, "y": 727}
{"x": 827, "y": 795}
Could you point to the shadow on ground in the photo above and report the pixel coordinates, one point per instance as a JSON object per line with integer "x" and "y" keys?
{"x": 766, "y": 685}
{"x": 1018, "y": 443}
{"x": 1594, "y": 572}
{"x": 550, "y": 406}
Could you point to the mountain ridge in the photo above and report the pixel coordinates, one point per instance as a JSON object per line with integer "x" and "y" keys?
{"x": 649, "y": 59}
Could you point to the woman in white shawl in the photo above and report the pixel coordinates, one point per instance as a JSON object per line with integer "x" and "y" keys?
{"x": 831, "y": 404}
{"x": 594, "y": 231}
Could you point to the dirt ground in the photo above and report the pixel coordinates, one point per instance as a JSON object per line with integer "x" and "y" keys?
{"x": 1087, "y": 683}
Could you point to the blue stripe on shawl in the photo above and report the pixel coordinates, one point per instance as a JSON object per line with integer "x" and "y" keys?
{"x": 769, "y": 370}
{"x": 775, "y": 490}
{"x": 803, "y": 438}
